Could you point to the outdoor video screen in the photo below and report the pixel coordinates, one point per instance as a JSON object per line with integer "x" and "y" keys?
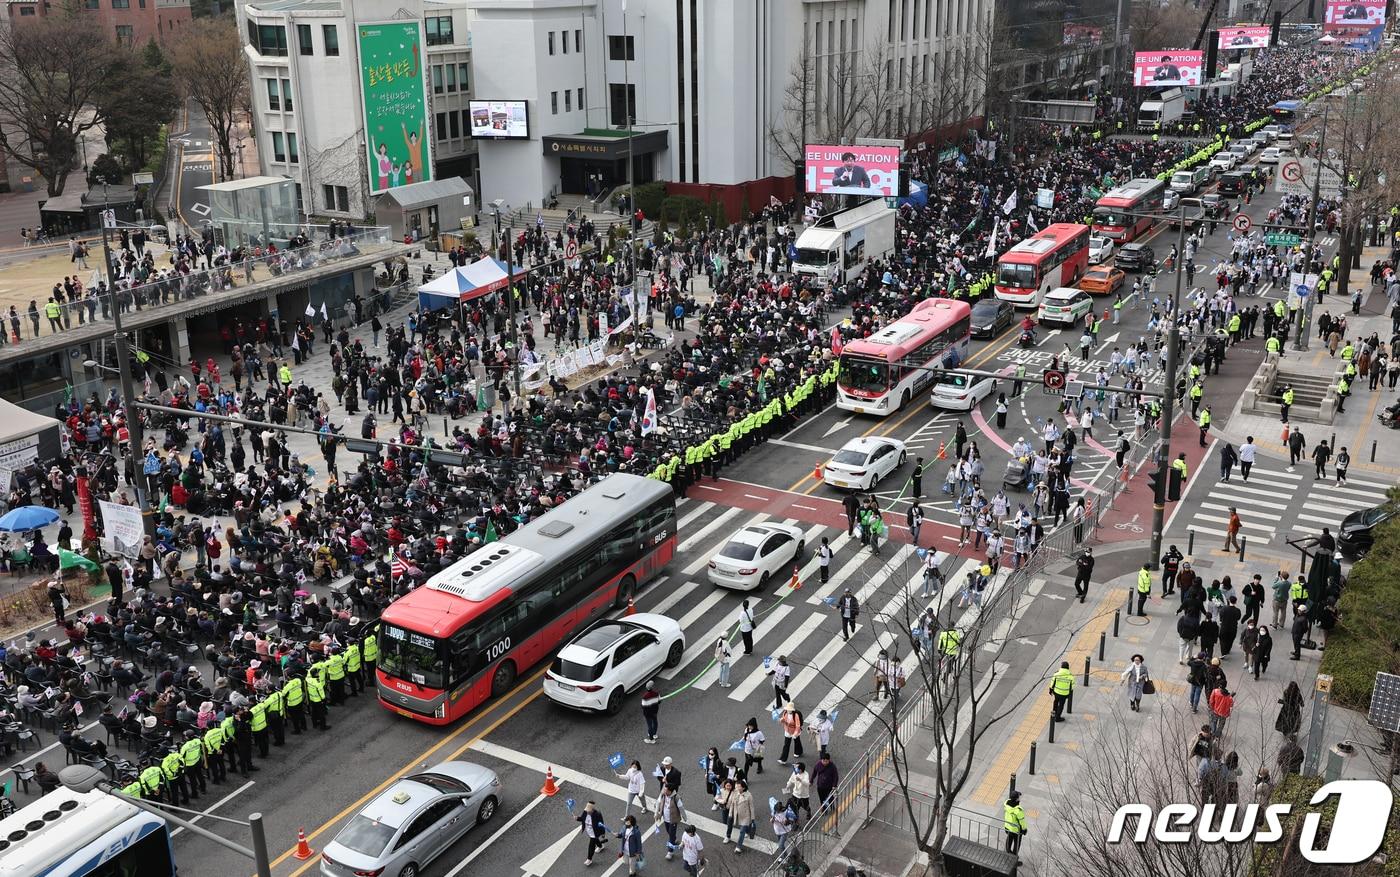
{"x": 499, "y": 119}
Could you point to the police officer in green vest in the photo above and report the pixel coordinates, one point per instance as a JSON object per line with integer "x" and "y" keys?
{"x": 352, "y": 668}
{"x": 1014, "y": 822}
{"x": 230, "y": 728}
{"x": 316, "y": 696}
{"x": 1273, "y": 345}
{"x": 369, "y": 652}
{"x": 335, "y": 672}
{"x": 276, "y": 716}
{"x": 133, "y": 789}
{"x": 1144, "y": 589}
{"x": 294, "y": 696}
{"x": 1061, "y": 687}
{"x": 1198, "y": 391}
{"x": 152, "y": 780}
{"x": 176, "y": 790}
{"x": 257, "y": 721}
{"x": 1343, "y": 390}
{"x": 192, "y": 757}
{"x": 214, "y": 747}
{"x": 1287, "y": 402}
{"x": 1298, "y": 591}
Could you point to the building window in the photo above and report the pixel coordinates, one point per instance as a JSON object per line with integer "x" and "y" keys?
{"x": 441, "y": 120}
{"x": 287, "y": 94}
{"x": 622, "y": 104}
{"x": 90, "y": 4}
{"x": 268, "y": 39}
{"x": 455, "y": 125}
{"x": 274, "y": 100}
{"x": 304, "y": 39}
{"x": 554, "y": 102}
{"x": 331, "y": 36}
{"x": 26, "y": 10}
{"x": 564, "y": 41}
{"x": 121, "y": 4}
{"x": 580, "y": 99}
{"x": 301, "y": 205}
{"x": 336, "y": 197}
{"x": 451, "y": 76}
{"x": 551, "y": 42}
{"x": 568, "y": 101}
{"x": 622, "y": 48}
{"x": 578, "y": 40}
{"x": 439, "y": 30}
{"x": 462, "y": 76}
{"x": 437, "y": 79}
{"x": 292, "y": 148}
{"x": 279, "y": 150}
{"x": 124, "y": 34}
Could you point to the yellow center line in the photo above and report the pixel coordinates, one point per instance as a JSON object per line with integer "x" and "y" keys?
{"x": 977, "y": 359}
{"x": 424, "y": 756}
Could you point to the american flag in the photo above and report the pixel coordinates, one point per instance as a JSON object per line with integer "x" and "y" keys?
{"x": 398, "y": 566}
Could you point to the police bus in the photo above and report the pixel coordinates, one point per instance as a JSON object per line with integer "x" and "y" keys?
{"x": 84, "y": 834}
{"x": 470, "y": 630}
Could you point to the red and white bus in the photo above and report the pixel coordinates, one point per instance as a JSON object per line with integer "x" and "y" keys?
{"x": 470, "y": 631}
{"x": 881, "y": 373}
{"x": 1054, "y": 256}
{"x": 1113, "y": 213}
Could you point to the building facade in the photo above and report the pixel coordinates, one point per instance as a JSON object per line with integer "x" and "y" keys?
{"x": 311, "y": 89}
{"x": 712, "y": 91}
{"x": 131, "y": 22}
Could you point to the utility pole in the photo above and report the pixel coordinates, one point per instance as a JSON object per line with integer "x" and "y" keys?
{"x": 1300, "y": 340}
{"x": 1159, "y": 498}
{"x": 136, "y": 447}
{"x": 630, "y": 115}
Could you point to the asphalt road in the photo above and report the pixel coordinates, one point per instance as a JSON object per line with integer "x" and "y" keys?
{"x": 317, "y": 782}
{"x": 196, "y": 157}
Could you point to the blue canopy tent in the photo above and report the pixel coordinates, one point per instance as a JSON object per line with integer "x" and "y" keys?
{"x": 481, "y": 277}
{"x": 918, "y": 194}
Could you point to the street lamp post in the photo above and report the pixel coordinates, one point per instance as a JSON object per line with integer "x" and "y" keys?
{"x": 1159, "y": 498}
{"x": 510, "y": 297}
{"x": 86, "y": 778}
{"x": 1300, "y": 340}
{"x": 136, "y": 449}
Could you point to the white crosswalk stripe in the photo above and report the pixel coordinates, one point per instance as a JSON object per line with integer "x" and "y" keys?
{"x": 1269, "y": 503}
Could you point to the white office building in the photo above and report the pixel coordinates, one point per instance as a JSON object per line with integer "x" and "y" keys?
{"x": 709, "y": 81}
{"x": 305, "y": 74}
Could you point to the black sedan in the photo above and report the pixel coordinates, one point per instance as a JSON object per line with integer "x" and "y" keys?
{"x": 990, "y": 316}
{"x": 1357, "y": 532}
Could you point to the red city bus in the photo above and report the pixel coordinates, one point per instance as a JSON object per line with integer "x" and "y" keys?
{"x": 1112, "y": 217}
{"x": 473, "y": 628}
{"x": 1054, "y": 256}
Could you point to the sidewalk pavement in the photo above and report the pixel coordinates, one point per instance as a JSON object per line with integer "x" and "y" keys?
{"x": 1102, "y": 729}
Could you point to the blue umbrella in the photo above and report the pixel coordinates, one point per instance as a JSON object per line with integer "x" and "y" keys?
{"x": 27, "y": 517}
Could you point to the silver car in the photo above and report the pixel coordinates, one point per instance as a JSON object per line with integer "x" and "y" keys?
{"x": 413, "y": 822}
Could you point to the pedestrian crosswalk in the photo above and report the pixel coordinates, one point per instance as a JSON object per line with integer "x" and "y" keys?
{"x": 1275, "y": 502}
{"x": 803, "y": 624}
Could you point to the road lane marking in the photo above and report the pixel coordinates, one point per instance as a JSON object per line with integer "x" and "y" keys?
{"x": 496, "y": 835}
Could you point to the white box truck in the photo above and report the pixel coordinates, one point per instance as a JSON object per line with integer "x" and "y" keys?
{"x": 838, "y": 246}
{"x": 1165, "y": 108}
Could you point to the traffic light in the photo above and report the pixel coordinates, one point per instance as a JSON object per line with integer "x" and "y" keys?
{"x": 1154, "y": 477}
{"x": 1173, "y": 485}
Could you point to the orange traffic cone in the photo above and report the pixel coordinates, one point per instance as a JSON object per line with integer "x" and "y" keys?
{"x": 304, "y": 850}
{"x": 1285, "y": 433}
{"x": 942, "y": 451}
{"x": 631, "y": 607}
{"x": 817, "y": 472}
{"x": 794, "y": 584}
{"x": 550, "y": 787}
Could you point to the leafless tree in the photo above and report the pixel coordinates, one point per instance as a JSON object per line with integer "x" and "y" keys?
{"x": 208, "y": 61}
{"x": 1155, "y": 25}
{"x": 838, "y": 97}
{"x": 53, "y": 72}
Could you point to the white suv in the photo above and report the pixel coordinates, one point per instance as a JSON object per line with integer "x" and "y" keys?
{"x": 611, "y": 658}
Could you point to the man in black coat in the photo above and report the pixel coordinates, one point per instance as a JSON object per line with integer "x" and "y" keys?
{"x": 114, "y": 578}
{"x": 1083, "y": 568}
{"x": 1229, "y": 625}
{"x": 852, "y": 507}
{"x": 849, "y": 609}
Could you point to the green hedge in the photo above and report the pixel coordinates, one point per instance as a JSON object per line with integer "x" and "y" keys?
{"x": 649, "y": 197}
{"x": 1298, "y": 791}
{"x": 1365, "y": 640}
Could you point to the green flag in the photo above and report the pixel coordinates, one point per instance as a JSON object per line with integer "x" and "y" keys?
{"x": 491, "y": 535}
{"x": 70, "y": 559}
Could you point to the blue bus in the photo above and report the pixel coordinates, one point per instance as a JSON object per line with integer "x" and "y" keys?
{"x": 84, "y": 834}
{"x": 1285, "y": 113}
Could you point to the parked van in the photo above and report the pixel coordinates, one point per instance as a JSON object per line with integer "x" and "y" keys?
{"x": 1190, "y": 180}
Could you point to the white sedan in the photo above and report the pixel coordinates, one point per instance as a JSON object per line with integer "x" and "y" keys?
{"x": 863, "y": 461}
{"x": 1100, "y": 249}
{"x": 757, "y": 553}
{"x": 611, "y": 658}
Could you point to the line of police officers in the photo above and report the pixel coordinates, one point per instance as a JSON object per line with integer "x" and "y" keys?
{"x": 182, "y": 772}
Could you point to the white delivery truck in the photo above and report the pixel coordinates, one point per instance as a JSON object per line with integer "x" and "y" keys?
{"x": 837, "y": 246}
{"x": 1165, "y": 108}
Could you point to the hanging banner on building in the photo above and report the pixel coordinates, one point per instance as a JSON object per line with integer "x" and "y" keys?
{"x": 852, "y": 170}
{"x": 1244, "y": 37}
{"x": 1349, "y": 15}
{"x": 1082, "y": 35}
{"x": 123, "y": 527}
{"x": 397, "y": 136}
{"x": 1153, "y": 69}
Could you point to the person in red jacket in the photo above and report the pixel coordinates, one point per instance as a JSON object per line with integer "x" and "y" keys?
{"x": 1221, "y": 703}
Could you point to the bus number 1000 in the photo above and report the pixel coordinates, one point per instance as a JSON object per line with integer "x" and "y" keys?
{"x": 497, "y": 649}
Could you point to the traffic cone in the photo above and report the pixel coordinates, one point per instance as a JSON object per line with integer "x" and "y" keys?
{"x": 550, "y": 787}
{"x": 942, "y": 451}
{"x": 794, "y": 584}
{"x": 1285, "y": 433}
{"x": 817, "y": 472}
{"x": 304, "y": 850}
{"x": 631, "y": 607}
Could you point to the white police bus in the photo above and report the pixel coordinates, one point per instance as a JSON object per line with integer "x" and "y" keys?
{"x": 84, "y": 834}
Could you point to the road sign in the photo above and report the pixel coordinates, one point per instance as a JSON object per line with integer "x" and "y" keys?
{"x": 1241, "y": 223}
{"x": 1296, "y": 177}
{"x": 1282, "y": 239}
{"x": 109, "y": 218}
{"x": 1290, "y": 171}
{"x": 1054, "y": 381}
